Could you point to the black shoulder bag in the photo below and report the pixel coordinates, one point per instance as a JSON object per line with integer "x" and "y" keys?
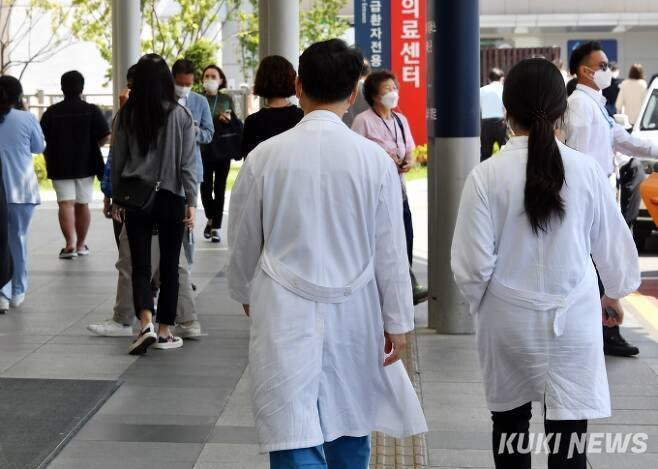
{"x": 135, "y": 193}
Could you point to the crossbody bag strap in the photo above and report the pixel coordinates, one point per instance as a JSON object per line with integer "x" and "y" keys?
{"x": 399, "y": 122}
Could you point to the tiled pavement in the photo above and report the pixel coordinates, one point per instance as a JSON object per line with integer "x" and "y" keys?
{"x": 190, "y": 409}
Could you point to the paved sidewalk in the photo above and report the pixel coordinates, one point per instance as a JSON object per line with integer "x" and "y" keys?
{"x": 190, "y": 408}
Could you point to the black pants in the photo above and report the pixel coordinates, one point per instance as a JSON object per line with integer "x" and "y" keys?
{"x": 167, "y": 214}
{"x": 517, "y": 421}
{"x": 631, "y": 176}
{"x": 493, "y": 131}
{"x": 408, "y": 228}
{"x": 213, "y": 189}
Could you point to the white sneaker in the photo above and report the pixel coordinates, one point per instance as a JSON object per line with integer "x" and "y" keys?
{"x": 144, "y": 340}
{"x": 4, "y": 305}
{"x": 166, "y": 343}
{"x": 189, "y": 332}
{"x": 17, "y": 300}
{"x": 110, "y": 328}
{"x": 215, "y": 237}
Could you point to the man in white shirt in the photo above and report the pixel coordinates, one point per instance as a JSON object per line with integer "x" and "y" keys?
{"x": 589, "y": 129}
{"x": 493, "y": 129}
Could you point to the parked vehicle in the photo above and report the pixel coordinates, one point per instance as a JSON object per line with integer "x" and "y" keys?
{"x": 647, "y": 127}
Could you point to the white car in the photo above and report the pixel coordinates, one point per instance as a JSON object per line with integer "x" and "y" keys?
{"x": 647, "y": 127}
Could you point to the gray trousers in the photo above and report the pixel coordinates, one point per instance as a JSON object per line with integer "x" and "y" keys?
{"x": 124, "y": 310}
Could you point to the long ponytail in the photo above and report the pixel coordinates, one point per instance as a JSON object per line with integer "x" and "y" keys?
{"x": 535, "y": 99}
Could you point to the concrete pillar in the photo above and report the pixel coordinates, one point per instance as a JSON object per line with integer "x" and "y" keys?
{"x": 126, "y": 42}
{"x": 279, "y": 29}
{"x": 454, "y": 149}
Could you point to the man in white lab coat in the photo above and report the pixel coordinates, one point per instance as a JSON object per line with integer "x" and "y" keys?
{"x": 589, "y": 129}
{"x": 317, "y": 258}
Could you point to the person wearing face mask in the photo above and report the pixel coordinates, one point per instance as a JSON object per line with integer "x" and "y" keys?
{"x": 391, "y": 131}
{"x": 589, "y": 129}
{"x": 217, "y": 155}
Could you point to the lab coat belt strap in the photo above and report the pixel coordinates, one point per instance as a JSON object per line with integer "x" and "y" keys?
{"x": 280, "y": 273}
{"x": 558, "y": 304}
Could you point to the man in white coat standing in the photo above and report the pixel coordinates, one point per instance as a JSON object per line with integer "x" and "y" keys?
{"x": 589, "y": 129}
{"x": 317, "y": 258}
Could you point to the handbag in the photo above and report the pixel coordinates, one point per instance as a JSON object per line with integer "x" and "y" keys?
{"x": 135, "y": 193}
{"x": 226, "y": 142}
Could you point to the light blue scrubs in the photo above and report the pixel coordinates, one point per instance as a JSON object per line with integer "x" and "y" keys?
{"x": 344, "y": 453}
{"x": 200, "y": 110}
{"x": 20, "y": 137}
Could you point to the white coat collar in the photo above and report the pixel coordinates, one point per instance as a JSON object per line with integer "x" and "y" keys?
{"x": 596, "y": 95}
{"x": 322, "y": 115}
{"x": 516, "y": 143}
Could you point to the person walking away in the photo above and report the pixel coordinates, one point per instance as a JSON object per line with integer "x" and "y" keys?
{"x": 316, "y": 257}
{"x": 154, "y": 183}
{"x": 20, "y": 137}
{"x": 74, "y": 130}
{"x": 275, "y": 83}
{"x": 120, "y": 324}
{"x": 217, "y": 155}
{"x": 527, "y": 223}
{"x": 391, "y": 131}
{"x": 631, "y": 93}
{"x": 589, "y": 129}
{"x": 494, "y": 128}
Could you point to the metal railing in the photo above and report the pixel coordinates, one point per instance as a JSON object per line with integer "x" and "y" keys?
{"x": 40, "y": 101}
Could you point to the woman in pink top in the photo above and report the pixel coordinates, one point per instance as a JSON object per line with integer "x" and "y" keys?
{"x": 391, "y": 131}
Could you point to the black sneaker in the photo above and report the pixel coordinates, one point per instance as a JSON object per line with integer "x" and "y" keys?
{"x": 614, "y": 344}
{"x": 207, "y": 231}
{"x": 144, "y": 340}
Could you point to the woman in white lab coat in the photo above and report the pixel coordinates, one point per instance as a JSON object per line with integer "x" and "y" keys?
{"x": 528, "y": 222}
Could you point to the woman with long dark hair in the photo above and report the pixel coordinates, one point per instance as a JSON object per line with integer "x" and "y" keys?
{"x": 154, "y": 185}
{"x": 528, "y": 222}
{"x": 20, "y": 137}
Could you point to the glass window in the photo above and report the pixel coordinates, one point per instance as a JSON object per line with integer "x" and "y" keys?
{"x": 650, "y": 117}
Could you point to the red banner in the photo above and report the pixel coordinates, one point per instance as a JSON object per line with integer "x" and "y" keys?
{"x": 408, "y": 62}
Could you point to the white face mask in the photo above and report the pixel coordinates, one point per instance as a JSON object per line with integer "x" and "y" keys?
{"x": 390, "y": 100}
{"x": 603, "y": 78}
{"x": 183, "y": 91}
{"x": 211, "y": 86}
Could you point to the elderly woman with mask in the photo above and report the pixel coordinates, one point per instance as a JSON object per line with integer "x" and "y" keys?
{"x": 391, "y": 131}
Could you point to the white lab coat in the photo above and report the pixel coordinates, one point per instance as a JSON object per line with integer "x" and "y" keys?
{"x": 589, "y": 129}
{"x": 317, "y": 249}
{"x": 535, "y": 298}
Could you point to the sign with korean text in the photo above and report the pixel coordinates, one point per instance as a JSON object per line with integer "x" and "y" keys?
{"x": 408, "y": 62}
{"x": 372, "y": 24}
